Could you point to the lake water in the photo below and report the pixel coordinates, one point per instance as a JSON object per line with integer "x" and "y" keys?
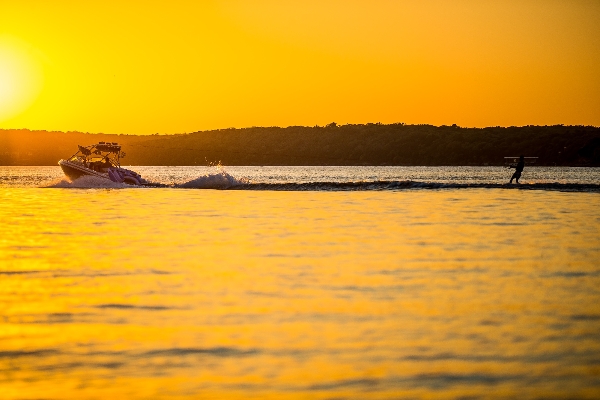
{"x": 303, "y": 283}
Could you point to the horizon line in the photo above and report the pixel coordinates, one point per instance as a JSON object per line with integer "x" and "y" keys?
{"x": 330, "y": 125}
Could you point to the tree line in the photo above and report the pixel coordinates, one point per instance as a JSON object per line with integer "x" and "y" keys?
{"x": 352, "y": 144}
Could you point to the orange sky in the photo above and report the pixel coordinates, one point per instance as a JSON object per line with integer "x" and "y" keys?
{"x": 181, "y": 66}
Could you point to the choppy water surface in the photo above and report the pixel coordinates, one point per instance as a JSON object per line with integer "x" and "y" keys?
{"x": 362, "y": 294}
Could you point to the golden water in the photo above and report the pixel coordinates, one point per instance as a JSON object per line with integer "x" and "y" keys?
{"x": 168, "y": 293}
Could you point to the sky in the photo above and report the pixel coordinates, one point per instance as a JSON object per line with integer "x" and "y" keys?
{"x": 144, "y": 67}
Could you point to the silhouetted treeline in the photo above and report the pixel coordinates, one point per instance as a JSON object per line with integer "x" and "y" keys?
{"x": 368, "y": 144}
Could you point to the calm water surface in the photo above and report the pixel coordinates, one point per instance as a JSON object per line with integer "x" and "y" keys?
{"x": 166, "y": 292}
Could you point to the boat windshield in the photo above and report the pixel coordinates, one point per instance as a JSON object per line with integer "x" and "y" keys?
{"x": 77, "y": 159}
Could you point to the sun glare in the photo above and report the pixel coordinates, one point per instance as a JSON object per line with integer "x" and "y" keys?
{"x": 20, "y": 77}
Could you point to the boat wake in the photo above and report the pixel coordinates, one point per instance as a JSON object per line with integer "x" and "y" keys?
{"x": 224, "y": 181}
{"x": 408, "y": 184}
{"x": 219, "y": 180}
{"x": 85, "y": 182}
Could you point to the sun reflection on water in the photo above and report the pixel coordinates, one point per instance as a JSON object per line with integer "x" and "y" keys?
{"x": 164, "y": 293}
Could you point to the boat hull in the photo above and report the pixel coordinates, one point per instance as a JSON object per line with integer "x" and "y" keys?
{"x": 74, "y": 171}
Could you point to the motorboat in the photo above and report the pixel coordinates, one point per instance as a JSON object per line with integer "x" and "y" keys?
{"x": 102, "y": 160}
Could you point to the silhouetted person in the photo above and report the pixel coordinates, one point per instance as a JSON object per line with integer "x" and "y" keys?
{"x": 518, "y": 169}
{"x": 106, "y": 164}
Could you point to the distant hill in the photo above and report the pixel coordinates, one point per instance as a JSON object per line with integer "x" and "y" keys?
{"x": 366, "y": 144}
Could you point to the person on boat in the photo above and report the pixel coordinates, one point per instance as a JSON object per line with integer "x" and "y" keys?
{"x": 518, "y": 169}
{"x": 106, "y": 163}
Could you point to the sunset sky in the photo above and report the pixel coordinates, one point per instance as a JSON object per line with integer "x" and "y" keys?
{"x": 180, "y": 66}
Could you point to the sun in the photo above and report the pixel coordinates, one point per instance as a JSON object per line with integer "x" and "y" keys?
{"x": 21, "y": 76}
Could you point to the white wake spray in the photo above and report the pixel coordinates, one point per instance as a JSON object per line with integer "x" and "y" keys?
{"x": 219, "y": 180}
{"x": 86, "y": 182}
